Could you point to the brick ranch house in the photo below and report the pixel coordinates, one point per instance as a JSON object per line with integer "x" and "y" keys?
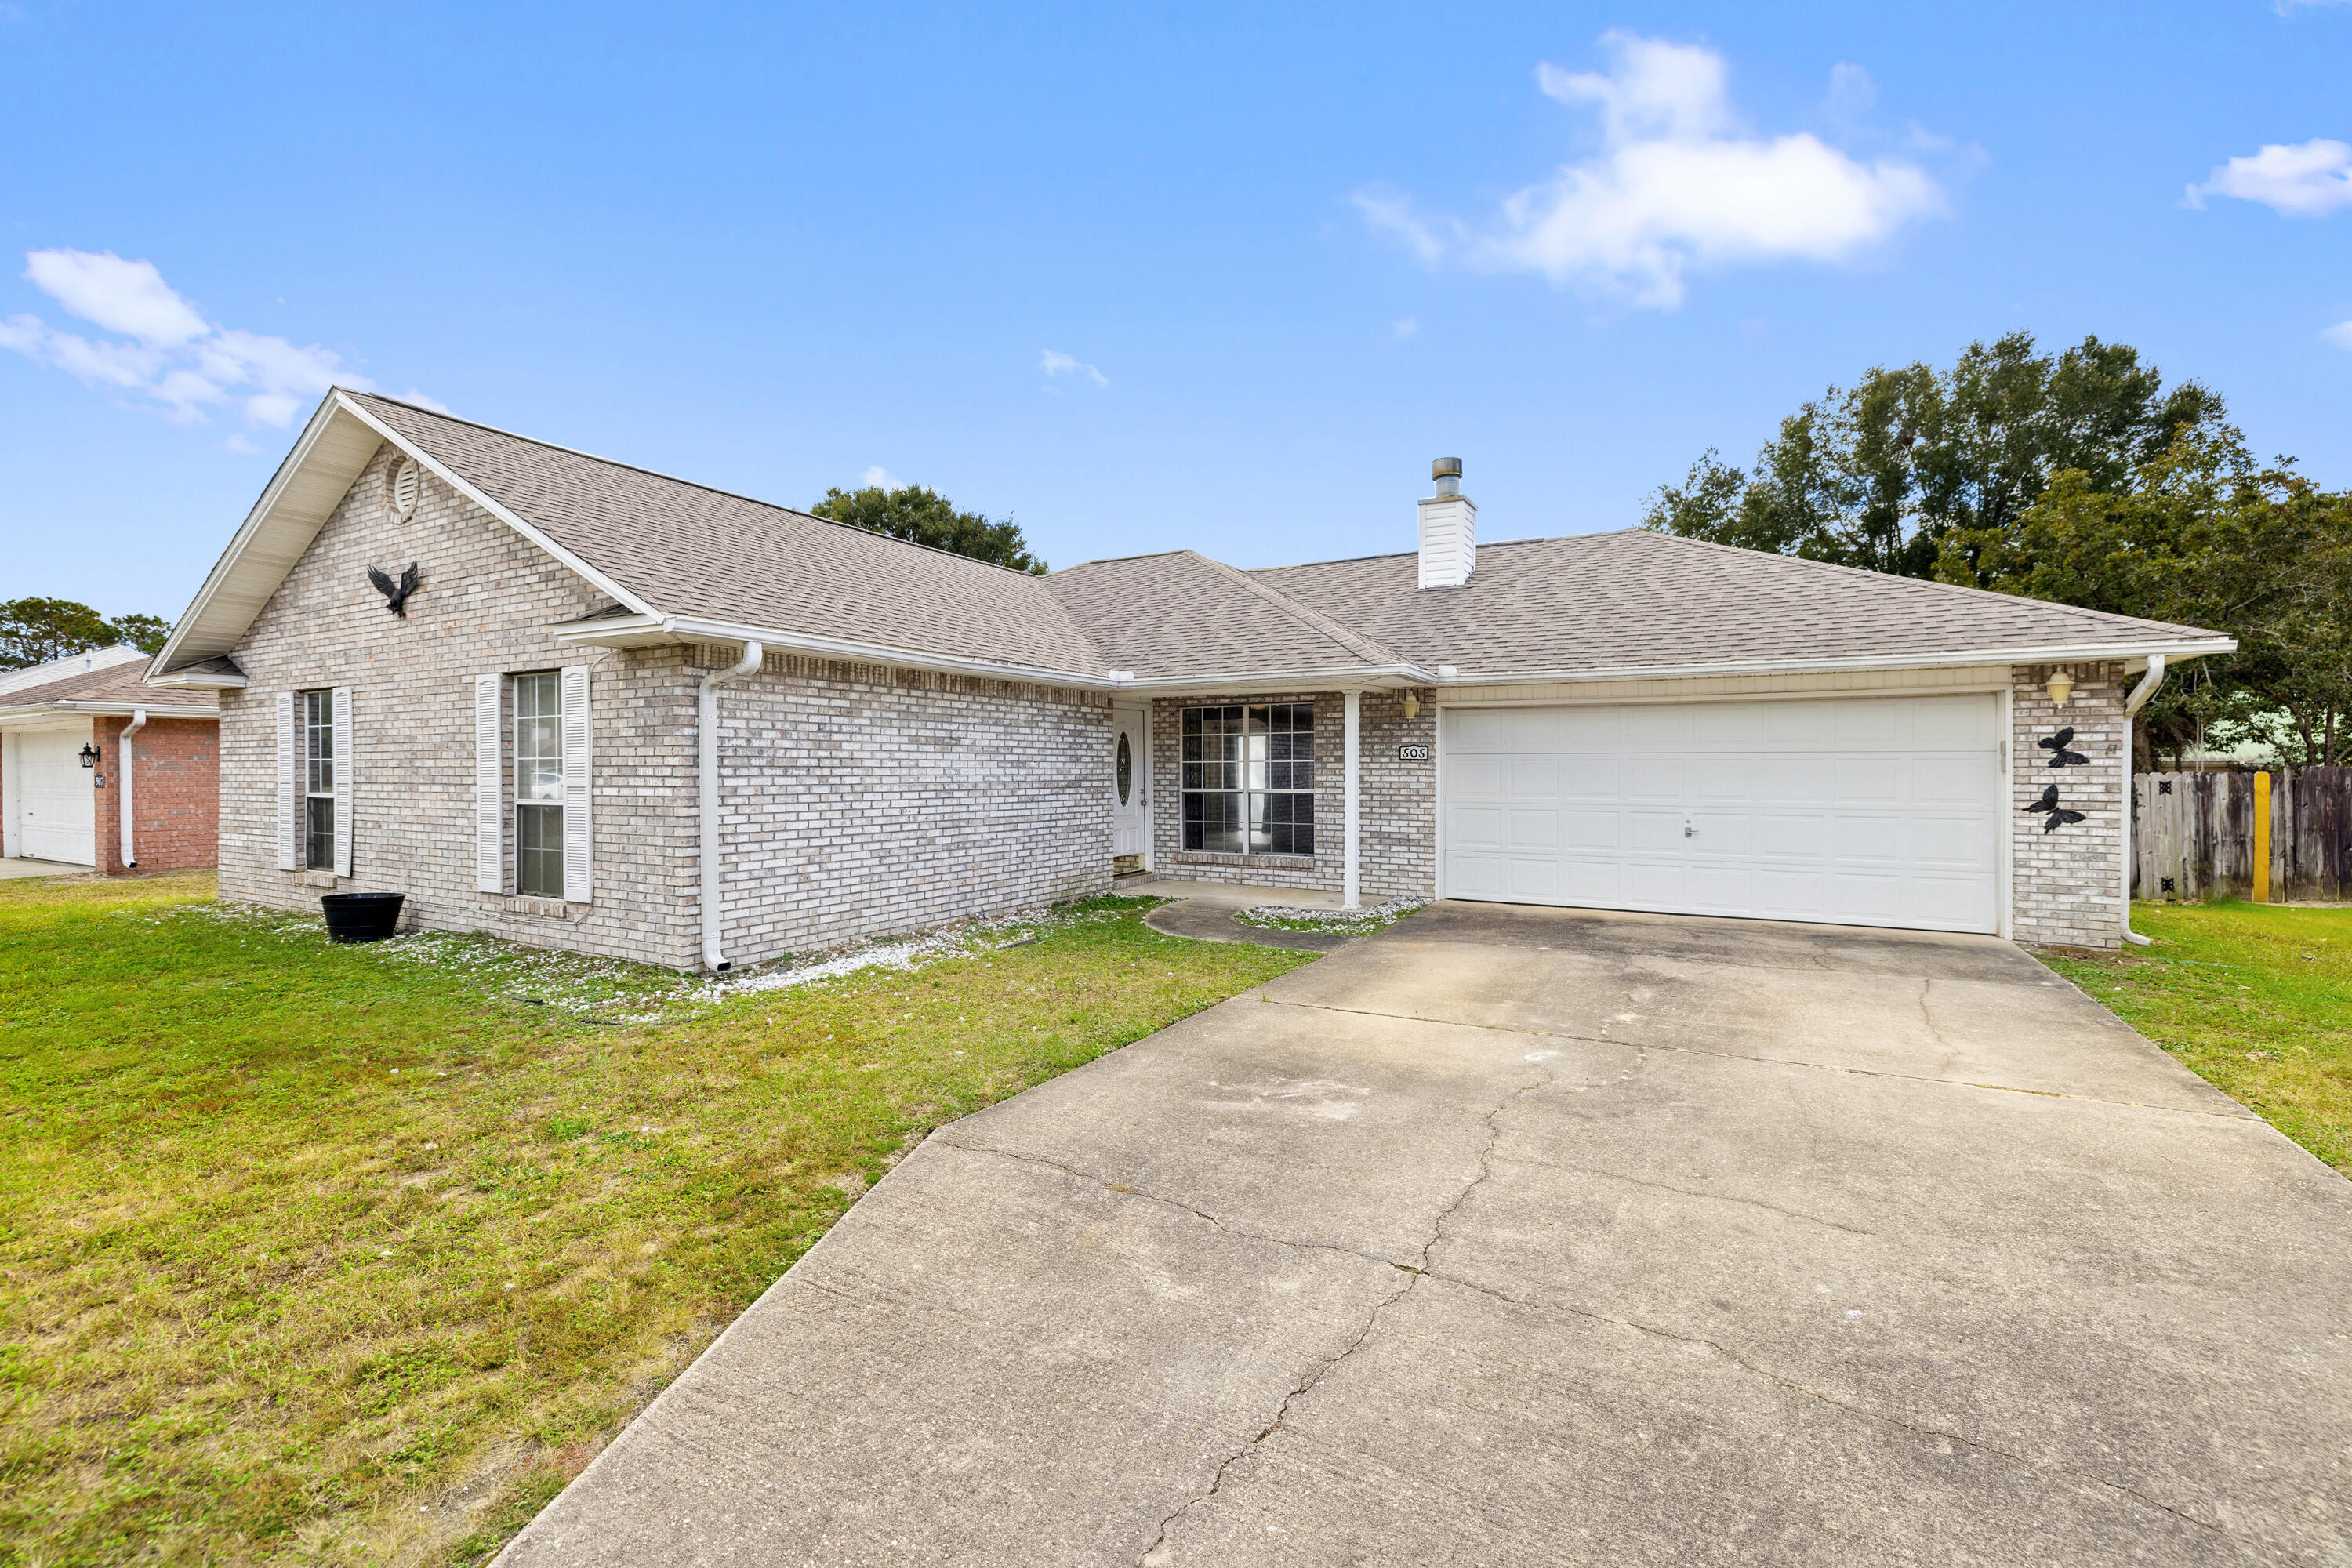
{"x": 617, "y": 712}
{"x": 100, "y": 768}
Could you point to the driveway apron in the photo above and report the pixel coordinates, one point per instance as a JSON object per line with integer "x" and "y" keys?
{"x": 1545, "y": 1236}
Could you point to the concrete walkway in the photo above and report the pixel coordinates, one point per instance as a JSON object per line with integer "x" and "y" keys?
{"x": 16, "y": 867}
{"x": 1205, "y": 911}
{"x": 1521, "y": 1236}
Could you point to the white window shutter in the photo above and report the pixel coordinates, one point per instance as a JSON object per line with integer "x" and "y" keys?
{"x": 579, "y": 838}
{"x": 344, "y": 770}
{"x": 289, "y": 785}
{"x": 489, "y": 814}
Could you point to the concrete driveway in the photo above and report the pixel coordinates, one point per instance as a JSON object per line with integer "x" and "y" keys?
{"x": 1539, "y": 1236}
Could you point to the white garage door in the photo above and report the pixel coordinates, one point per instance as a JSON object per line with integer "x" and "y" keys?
{"x": 49, "y": 793}
{"x": 1850, "y": 811}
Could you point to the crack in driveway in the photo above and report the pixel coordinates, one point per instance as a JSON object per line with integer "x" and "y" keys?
{"x": 1159, "y": 1554}
{"x": 1798, "y": 1386}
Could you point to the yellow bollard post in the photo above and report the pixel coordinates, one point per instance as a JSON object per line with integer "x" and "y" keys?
{"x": 2262, "y": 839}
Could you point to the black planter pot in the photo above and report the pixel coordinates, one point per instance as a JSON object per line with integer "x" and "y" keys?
{"x": 361, "y": 917}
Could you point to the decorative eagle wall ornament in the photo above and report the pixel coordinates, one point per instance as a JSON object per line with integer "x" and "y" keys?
{"x": 395, "y": 595}
{"x": 2059, "y": 814}
{"x": 2059, "y": 757}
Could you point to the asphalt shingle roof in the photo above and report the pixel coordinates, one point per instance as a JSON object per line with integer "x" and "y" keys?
{"x": 1632, "y": 599}
{"x": 690, "y": 551}
{"x": 122, "y": 683}
{"x": 1586, "y": 602}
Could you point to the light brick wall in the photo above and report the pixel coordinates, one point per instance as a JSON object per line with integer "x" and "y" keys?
{"x": 1397, "y": 806}
{"x": 2066, "y": 886}
{"x": 857, "y": 801}
{"x": 487, "y": 600}
{"x": 862, "y": 801}
{"x": 175, "y": 803}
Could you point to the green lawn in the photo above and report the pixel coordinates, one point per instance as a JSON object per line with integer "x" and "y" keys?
{"x": 2257, "y": 998}
{"x": 356, "y": 1254}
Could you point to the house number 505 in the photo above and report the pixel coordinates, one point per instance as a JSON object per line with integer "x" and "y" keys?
{"x": 1412, "y": 753}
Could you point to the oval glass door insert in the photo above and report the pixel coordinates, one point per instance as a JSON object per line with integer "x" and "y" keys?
{"x": 1126, "y": 768}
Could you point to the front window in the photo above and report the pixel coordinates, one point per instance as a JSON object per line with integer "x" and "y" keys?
{"x": 1249, "y": 779}
{"x": 319, "y": 780}
{"x": 539, "y": 784}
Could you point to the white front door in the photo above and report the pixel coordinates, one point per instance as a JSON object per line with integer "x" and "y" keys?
{"x": 50, "y": 796}
{"x": 1130, "y": 781}
{"x": 1853, "y": 810}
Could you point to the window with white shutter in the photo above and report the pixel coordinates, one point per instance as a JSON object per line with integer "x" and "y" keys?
{"x": 577, "y": 839}
{"x": 289, "y": 793}
{"x": 489, "y": 814}
{"x": 342, "y": 699}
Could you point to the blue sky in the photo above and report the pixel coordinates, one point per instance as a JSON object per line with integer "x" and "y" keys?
{"x": 1143, "y": 276}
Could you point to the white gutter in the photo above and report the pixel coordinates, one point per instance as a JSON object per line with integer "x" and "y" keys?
{"x": 122, "y": 767}
{"x": 2058, "y": 653}
{"x": 707, "y": 827}
{"x": 106, "y": 710}
{"x": 2132, "y": 705}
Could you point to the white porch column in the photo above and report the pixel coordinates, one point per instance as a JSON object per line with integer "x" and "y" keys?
{"x": 1352, "y": 810}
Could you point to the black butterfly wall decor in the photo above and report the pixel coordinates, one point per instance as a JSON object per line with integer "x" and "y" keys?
{"x": 395, "y": 595}
{"x": 2058, "y": 816}
{"x": 2059, "y": 757}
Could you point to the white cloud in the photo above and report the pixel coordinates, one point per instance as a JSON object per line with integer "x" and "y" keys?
{"x": 879, "y": 478}
{"x": 2340, "y": 334}
{"x": 2311, "y": 179}
{"x": 1678, "y": 186}
{"x": 240, "y": 445}
{"x": 1055, "y": 363}
{"x": 164, "y": 350}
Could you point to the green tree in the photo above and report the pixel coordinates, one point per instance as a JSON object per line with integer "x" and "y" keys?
{"x": 34, "y": 631}
{"x": 1917, "y": 471}
{"x": 920, "y": 515}
{"x": 2200, "y": 535}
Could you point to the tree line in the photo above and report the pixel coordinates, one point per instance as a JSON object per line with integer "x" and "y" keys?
{"x": 36, "y": 630}
{"x": 2080, "y": 478}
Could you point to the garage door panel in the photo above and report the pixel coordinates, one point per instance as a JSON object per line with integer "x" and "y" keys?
{"x": 1878, "y": 811}
{"x": 1720, "y": 779}
{"x": 1789, "y": 835}
{"x": 1533, "y": 829}
{"x": 1783, "y": 780}
{"x": 1532, "y": 778}
{"x": 1475, "y": 827}
{"x": 55, "y": 805}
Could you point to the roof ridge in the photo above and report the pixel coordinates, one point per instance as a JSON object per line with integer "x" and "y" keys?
{"x": 675, "y": 479}
{"x": 1355, "y": 643}
{"x": 1803, "y": 561}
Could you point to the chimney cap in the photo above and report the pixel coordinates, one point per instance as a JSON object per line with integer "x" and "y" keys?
{"x": 1445, "y": 468}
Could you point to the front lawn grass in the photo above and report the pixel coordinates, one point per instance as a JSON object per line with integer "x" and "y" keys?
{"x": 2256, "y": 998}
{"x": 355, "y": 1254}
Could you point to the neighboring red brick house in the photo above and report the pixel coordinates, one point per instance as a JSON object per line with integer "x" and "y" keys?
{"x": 66, "y": 789}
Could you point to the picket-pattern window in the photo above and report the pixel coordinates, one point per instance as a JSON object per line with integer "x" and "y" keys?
{"x": 1249, "y": 779}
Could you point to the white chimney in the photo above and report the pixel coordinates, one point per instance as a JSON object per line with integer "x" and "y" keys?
{"x": 1449, "y": 530}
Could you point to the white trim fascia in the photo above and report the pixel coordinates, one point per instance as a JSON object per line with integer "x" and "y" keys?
{"x": 2058, "y": 653}
{"x": 184, "y": 681}
{"x": 466, "y": 489}
{"x": 226, "y": 567}
{"x": 687, "y": 629}
{"x": 103, "y": 710}
{"x": 1360, "y": 678}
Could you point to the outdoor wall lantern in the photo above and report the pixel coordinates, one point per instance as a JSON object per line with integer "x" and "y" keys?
{"x": 2061, "y": 686}
{"x": 1412, "y": 705}
{"x": 88, "y": 755}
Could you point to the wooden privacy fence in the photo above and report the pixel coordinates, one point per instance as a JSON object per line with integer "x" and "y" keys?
{"x": 2196, "y": 835}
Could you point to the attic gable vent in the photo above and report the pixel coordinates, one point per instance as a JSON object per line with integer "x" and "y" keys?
{"x": 401, "y": 483}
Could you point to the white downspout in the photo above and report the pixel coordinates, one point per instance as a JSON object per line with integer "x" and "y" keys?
{"x": 122, "y": 767}
{"x": 2132, "y": 705}
{"x": 1352, "y": 878}
{"x": 707, "y": 831}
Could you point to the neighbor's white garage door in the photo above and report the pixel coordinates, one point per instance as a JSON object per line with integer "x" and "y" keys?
{"x": 54, "y": 803}
{"x": 1851, "y": 811}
